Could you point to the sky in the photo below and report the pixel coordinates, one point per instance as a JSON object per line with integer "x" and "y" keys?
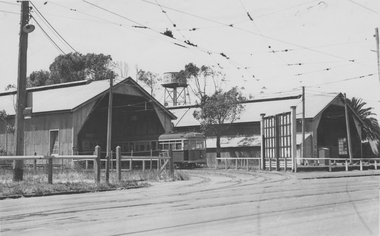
{"x": 267, "y": 48}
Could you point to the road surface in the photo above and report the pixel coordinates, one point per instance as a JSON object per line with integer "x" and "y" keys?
{"x": 211, "y": 203}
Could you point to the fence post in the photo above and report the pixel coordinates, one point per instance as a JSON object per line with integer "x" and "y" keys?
{"x": 118, "y": 163}
{"x": 236, "y": 162}
{"x": 346, "y": 164}
{"x": 329, "y": 165}
{"x": 285, "y": 164}
{"x": 143, "y": 165}
{"x": 97, "y": 164}
{"x": 111, "y": 159}
{"x": 247, "y": 164}
{"x": 375, "y": 165}
{"x": 35, "y": 163}
{"x": 171, "y": 162}
{"x": 50, "y": 169}
{"x": 225, "y": 163}
{"x": 361, "y": 164}
{"x": 270, "y": 163}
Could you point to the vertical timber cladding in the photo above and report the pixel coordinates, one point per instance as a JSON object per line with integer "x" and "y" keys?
{"x": 277, "y": 138}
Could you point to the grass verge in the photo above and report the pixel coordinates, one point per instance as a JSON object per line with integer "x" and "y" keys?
{"x": 76, "y": 181}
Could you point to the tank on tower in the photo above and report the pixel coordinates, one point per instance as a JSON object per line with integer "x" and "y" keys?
{"x": 175, "y": 89}
{"x": 173, "y": 80}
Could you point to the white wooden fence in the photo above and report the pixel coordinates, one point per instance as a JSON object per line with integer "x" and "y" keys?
{"x": 50, "y": 158}
{"x": 287, "y": 163}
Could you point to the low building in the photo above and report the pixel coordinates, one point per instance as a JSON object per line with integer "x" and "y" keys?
{"x": 325, "y": 127}
{"x": 72, "y": 118}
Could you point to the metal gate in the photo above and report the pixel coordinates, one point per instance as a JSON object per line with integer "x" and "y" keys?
{"x": 277, "y": 140}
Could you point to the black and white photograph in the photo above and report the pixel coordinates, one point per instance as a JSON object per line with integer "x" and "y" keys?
{"x": 189, "y": 117}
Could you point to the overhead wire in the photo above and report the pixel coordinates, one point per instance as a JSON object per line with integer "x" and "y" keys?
{"x": 10, "y": 3}
{"x": 364, "y": 7}
{"x": 47, "y": 35}
{"x": 10, "y": 12}
{"x": 60, "y": 36}
{"x": 347, "y": 79}
{"x": 250, "y": 32}
{"x": 204, "y": 50}
{"x": 209, "y": 52}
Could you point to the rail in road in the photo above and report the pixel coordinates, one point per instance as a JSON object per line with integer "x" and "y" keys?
{"x": 213, "y": 202}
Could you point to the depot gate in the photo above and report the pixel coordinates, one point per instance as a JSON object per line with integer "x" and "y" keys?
{"x": 277, "y": 141}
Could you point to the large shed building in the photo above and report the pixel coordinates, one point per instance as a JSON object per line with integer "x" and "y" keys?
{"x": 325, "y": 128}
{"x": 71, "y": 118}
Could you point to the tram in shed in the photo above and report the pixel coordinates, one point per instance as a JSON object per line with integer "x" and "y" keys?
{"x": 188, "y": 149}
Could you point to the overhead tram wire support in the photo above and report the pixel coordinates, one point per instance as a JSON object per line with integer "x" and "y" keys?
{"x": 21, "y": 91}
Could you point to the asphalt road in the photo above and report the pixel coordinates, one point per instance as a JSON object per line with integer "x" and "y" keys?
{"x": 211, "y": 203}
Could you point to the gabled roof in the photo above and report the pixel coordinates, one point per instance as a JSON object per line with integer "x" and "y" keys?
{"x": 314, "y": 105}
{"x": 68, "y": 96}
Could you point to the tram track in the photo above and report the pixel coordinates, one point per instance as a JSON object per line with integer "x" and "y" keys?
{"x": 215, "y": 196}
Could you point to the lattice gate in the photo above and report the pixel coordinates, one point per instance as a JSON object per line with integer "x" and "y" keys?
{"x": 277, "y": 141}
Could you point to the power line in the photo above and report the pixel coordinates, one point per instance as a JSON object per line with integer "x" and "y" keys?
{"x": 10, "y": 3}
{"x": 39, "y": 13}
{"x": 364, "y": 7}
{"x": 10, "y": 12}
{"x": 342, "y": 80}
{"x": 47, "y": 35}
{"x": 247, "y": 31}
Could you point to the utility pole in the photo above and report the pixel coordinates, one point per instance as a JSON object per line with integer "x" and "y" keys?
{"x": 377, "y": 51}
{"x": 109, "y": 132}
{"x": 303, "y": 123}
{"x": 348, "y": 129}
{"x": 21, "y": 92}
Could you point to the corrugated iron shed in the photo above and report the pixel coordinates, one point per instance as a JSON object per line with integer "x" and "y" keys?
{"x": 66, "y": 97}
{"x": 314, "y": 104}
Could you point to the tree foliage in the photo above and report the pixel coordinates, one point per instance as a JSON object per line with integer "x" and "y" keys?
{"x": 203, "y": 80}
{"x": 218, "y": 111}
{"x": 39, "y": 78}
{"x": 74, "y": 67}
{"x": 371, "y": 128}
{"x": 149, "y": 79}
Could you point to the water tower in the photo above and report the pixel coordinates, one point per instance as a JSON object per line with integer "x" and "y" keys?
{"x": 176, "y": 91}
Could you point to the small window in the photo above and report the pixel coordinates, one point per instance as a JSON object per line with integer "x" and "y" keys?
{"x": 185, "y": 145}
{"x": 154, "y": 145}
{"x": 54, "y": 142}
{"x": 342, "y": 145}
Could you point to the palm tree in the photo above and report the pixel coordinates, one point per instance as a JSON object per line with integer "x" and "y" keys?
{"x": 371, "y": 128}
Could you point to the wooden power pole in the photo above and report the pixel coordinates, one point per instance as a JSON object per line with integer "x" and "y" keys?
{"x": 303, "y": 123}
{"x": 21, "y": 92}
{"x": 377, "y": 51}
{"x": 348, "y": 129}
{"x": 109, "y": 131}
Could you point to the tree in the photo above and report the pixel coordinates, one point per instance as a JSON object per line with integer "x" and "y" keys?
{"x": 121, "y": 69}
{"x": 149, "y": 79}
{"x": 218, "y": 111}
{"x": 200, "y": 80}
{"x": 74, "y": 67}
{"x": 38, "y": 78}
{"x": 371, "y": 128}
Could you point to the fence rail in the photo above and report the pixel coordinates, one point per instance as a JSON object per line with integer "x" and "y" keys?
{"x": 50, "y": 159}
{"x": 287, "y": 163}
{"x": 332, "y": 162}
{"x": 244, "y": 161}
{"x": 168, "y": 161}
